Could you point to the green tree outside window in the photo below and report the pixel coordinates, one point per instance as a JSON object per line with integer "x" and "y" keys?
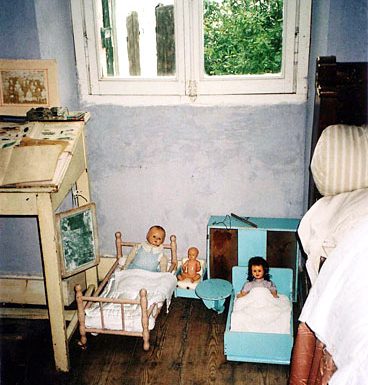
{"x": 242, "y": 36}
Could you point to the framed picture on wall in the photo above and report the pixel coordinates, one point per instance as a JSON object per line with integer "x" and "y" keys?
{"x": 78, "y": 240}
{"x": 26, "y": 84}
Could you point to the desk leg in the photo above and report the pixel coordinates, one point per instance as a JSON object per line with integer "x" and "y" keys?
{"x": 53, "y": 281}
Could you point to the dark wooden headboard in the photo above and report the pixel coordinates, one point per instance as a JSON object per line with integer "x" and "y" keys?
{"x": 340, "y": 98}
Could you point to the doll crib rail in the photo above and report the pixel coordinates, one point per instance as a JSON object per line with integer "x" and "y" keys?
{"x": 145, "y": 314}
{"x": 84, "y": 302}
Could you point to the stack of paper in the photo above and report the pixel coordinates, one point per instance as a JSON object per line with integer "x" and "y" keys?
{"x": 28, "y": 163}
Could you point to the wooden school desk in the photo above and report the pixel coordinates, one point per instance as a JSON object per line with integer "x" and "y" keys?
{"x": 41, "y": 199}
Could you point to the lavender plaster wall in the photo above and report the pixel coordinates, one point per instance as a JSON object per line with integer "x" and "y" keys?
{"x": 35, "y": 30}
{"x": 176, "y": 166}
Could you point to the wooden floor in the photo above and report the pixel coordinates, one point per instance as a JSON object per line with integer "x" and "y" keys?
{"x": 187, "y": 349}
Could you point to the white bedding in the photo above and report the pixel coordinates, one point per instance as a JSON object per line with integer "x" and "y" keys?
{"x": 328, "y": 222}
{"x": 336, "y": 308}
{"x": 126, "y": 284}
{"x": 260, "y": 312}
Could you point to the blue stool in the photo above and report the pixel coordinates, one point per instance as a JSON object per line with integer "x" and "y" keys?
{"x": 213, "y": 293}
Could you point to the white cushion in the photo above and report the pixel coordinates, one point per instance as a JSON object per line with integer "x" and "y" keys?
{"x": 329, "y": 221}
{"x": 340, "y": 159}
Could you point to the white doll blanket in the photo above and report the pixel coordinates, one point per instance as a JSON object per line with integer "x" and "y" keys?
{"x": 260, "y": 312}
{"x": 126, "y": 284}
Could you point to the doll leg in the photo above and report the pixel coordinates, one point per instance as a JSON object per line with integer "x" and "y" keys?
{"x": 196, "y": 278}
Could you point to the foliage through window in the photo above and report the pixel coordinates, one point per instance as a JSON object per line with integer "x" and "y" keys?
{"x": 191, "y": 48}
{"x": 242, "y": 37}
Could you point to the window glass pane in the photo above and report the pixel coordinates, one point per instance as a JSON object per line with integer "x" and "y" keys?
{"x": 137, "y": 38}
{"x": 242, "y": 37}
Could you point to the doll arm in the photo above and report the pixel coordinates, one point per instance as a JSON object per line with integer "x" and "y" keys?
{"x": 273, "y": 290}
{"x": 198, "y": 266}
{"x": 185, "y": 267}
{"x": 130, "y": 257}
{"x": 242, "y": 293}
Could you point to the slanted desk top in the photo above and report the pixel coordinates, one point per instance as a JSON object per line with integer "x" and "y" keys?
{"x": 41, "y": 198}
{"x": 43, "y": 148}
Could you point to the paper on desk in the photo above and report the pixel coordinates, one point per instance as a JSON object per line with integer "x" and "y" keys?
{"x": 28, "y": 163}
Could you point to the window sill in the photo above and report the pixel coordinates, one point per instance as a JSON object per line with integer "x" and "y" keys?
{"x": 203, "y": 100}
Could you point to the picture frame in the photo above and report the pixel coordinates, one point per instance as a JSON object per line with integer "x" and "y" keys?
{"x": 77, "y": 239}
{"x": 26, "y": 84}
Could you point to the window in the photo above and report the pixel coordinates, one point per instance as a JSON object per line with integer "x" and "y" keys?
{"x": 190, "y": 50}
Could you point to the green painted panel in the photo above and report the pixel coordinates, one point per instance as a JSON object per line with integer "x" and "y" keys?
{"x": 77, "y": 239}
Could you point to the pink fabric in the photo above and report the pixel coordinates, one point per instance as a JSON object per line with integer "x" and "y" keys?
{"x": 311, "y": 364}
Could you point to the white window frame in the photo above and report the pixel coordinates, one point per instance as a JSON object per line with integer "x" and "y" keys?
{"x": 190, "y": 84}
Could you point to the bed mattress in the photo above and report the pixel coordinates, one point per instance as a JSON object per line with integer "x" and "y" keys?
{"x": 126, "y": 284}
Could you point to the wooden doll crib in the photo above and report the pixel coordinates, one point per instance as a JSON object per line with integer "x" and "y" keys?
{"x": 147, "y": 312}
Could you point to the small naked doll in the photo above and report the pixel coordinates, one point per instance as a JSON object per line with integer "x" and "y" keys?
{"x": 258, "y": 276}
{"x": 149, "y": 255}
{"x": 191, "y": 267}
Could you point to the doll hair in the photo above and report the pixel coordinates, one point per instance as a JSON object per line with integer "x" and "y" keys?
{"x": 158, "y": 228}
{"x": 258, "y": 261}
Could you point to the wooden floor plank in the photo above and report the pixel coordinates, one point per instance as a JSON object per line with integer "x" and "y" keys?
{"x": 203, "y": 348}
{"x": 187, "y": 348}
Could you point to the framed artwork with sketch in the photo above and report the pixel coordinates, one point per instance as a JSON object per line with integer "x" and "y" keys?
{"x": 26, "y": 84}
{"x": 78, "y": 240}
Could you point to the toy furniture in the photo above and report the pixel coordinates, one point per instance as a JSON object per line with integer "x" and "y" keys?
{"x": 186, "y": 288}
{"x": 213, "y": 293}
{"x": 127, "y": 302}
{"x": 271, "y": 348}
{"x": 232, "y": 242}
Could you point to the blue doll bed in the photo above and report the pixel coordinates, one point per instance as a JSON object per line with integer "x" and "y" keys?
{"x": 260, "y": 347}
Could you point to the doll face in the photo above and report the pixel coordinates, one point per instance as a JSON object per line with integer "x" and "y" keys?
{"x": 257, "y": 271}
{"x": 192, "y": 253}
{"x": 155, "y": 236}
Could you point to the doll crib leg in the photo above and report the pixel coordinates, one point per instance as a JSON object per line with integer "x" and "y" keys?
{"x": 81, "y": 318}
{"x": 144, "y": 304}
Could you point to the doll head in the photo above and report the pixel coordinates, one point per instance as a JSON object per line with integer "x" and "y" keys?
{"x": 156, "y": 235}
{"x": 258, "y": 268}
{"x": 193, "y": 253}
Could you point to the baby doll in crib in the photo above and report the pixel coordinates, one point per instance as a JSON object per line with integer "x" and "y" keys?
{"x": 191, "y": 267}
{"x": 149, "y": 255}
{"x": 258, "y": 276}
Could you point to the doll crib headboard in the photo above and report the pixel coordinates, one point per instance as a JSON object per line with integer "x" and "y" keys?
{"x": 340, "y": 98}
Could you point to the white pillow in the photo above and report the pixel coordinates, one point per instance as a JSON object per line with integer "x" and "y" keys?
{"x": 340, "y": 159}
